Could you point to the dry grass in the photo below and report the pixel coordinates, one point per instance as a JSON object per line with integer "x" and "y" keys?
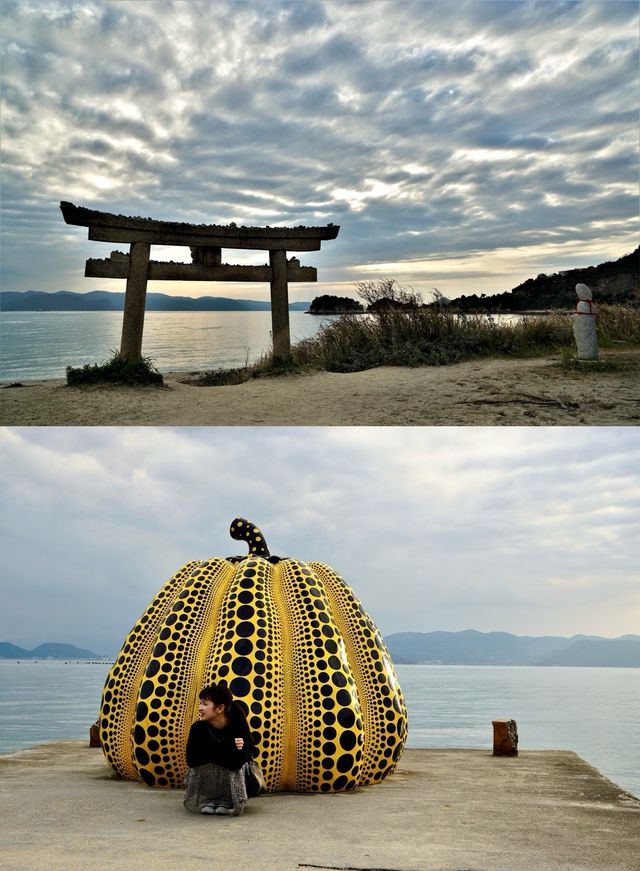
{"x": 430, "y": 337}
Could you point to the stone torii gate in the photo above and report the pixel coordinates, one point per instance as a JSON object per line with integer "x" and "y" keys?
{"x": 206, "y": 242}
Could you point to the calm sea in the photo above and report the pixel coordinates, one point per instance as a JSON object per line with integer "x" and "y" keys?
{"x": 593, "y": 711}
{"x": 42, "y": 344}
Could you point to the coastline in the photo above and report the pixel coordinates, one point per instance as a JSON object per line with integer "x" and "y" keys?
{"x": 482, "y": 392}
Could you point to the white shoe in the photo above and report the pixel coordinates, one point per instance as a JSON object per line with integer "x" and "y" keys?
{"x": 209, "y": 809}
{"x": 223, "y": 810}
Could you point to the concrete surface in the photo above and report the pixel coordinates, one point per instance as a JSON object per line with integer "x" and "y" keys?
{"x": 62, "y": 808}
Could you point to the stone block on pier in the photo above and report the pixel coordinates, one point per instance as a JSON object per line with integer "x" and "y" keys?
{"x": 505, "y": 738}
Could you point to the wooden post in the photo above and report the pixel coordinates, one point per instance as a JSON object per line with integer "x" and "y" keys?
{"x": 280, "y": 305}
{"x": 134, "y": 301}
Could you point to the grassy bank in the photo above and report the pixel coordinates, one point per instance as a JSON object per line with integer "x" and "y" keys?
{"x": 433, "y": 337}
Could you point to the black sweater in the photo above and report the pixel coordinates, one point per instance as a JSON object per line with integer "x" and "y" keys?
{"x": 208, "y": 744}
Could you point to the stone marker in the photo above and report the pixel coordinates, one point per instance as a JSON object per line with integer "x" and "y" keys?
{"x": 505, "y": 738}
{"x": 94, "y": 735}
{"x": 584, "y": 325}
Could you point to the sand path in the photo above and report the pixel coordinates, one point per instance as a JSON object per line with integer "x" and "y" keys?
{"x": 481, "y": 392}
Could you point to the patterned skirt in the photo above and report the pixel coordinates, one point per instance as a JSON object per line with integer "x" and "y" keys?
{"x": 213, "y": 783}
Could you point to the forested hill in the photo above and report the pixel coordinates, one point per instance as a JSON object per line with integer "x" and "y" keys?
{"x": 501, "y": 648}
{"x": 616, "y": 281}
{"x": 105, "y": 300}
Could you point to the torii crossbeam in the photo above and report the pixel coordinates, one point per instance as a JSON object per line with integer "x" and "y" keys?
{"x": 206, "y": 242}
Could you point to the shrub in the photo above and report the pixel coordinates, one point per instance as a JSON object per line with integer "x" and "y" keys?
{"x": 117, "y": 370}
{"x": 220, "y": 377}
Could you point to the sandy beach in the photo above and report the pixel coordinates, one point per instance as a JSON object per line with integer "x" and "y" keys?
{"x": 474, "y": 393}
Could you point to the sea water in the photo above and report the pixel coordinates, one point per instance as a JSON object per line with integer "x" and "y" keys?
{"x": 593, "y": 711}
{"x": 37, "y": 345}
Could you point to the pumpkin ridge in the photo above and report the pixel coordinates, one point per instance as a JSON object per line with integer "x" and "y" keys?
{"x": 245, "y": 653}
{"x": 384, "y": 710}
{"x": 327, "y": 707}
{"x": 118, "y": 703}
{"x": 163, "y": 714}
{"x": 290, "y": 736}
{"x": 204, "y": 665}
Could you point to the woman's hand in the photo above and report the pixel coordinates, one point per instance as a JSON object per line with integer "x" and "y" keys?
{"x": 239, "y": 743}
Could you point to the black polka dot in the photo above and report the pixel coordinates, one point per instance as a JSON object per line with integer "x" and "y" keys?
{"x": 345, "y": 762}
{"x": 243, "y": 646}
{"x": 142, "y": 756}
{"x": 343, "y": 697}
{"x": 146, "y": 689}
{"x": 241, "y": 666}
{"x": 348, "y": 740}
{"x": 240, "y": 686}
{"x": 346, "y": 717}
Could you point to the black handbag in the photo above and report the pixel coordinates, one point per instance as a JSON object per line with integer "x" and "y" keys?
{"x": 253, "y": 778}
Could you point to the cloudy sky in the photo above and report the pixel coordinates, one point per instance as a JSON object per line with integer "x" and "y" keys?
{"x": 530, "y": 531}
{"x": 465, "y": 146}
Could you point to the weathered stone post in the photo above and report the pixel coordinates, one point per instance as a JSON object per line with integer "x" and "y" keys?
{"x": 134, "y": 302}
{"x": 584, "y": 325}
{"x": 505, "y": 738}
{"x": 280, "y": 305}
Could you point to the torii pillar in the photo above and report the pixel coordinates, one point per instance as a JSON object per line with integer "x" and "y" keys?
{"x": 281, "y": 336}
{"x": 134, "y": 301}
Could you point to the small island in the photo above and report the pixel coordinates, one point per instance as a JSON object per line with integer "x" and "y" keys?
{"x": 327, "y": 304}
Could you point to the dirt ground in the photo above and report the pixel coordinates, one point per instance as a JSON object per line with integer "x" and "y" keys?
{"x": 474, "y": 393}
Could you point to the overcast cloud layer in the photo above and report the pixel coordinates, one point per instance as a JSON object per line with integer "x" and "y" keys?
{"x": 465, "y": 146}
{"x": 530, "y": 531}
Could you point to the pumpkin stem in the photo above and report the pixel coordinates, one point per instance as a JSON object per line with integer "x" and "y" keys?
{"x": 243, "y": 530}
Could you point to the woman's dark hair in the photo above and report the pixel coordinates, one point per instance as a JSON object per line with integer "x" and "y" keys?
{"x": 219, "y": 694}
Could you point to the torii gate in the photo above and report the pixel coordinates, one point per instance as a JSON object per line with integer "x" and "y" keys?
{"x": 206, "y": 242}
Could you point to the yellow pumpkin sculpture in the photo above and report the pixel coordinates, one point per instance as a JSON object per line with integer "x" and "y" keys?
{"x": 299, "y": 653}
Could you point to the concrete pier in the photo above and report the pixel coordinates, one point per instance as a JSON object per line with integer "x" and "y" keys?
{"x": 63, "y": 808}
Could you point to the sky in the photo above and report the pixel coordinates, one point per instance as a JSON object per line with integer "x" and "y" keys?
{"x": 526, "y": 530}
{"x": 461, "y": 146}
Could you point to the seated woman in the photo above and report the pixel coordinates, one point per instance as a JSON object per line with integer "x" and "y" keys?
{"x": 219, "y": 744}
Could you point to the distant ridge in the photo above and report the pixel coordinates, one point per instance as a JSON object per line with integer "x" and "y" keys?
{"x": 469, "y": 647}
{"x": 48, "y": 650}
{"x": 106, "y": 300}
{"x": 615, "y": 281}
{"x": 501, "y": 648}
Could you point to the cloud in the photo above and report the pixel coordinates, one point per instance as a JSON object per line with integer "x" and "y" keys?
{"x": 427, "y": 132}
{"x": 438, "y": 528}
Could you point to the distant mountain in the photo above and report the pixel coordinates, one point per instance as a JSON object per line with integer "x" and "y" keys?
{"x": 49, "y": 650}
{"x": 501, "y": 648}
{"x": 615, "y": 281}
{"x": 12, "y": 651}
{"x": 618, "y": 652}
{"x": 105, "y": 300}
